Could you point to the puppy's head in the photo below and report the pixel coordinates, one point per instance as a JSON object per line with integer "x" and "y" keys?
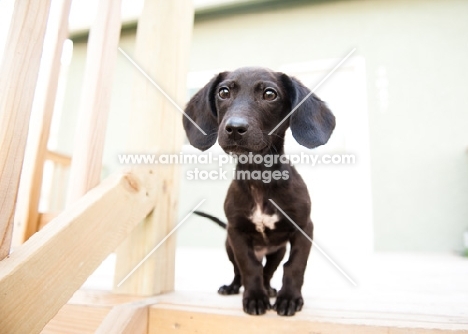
{"x": 242, "y": 107}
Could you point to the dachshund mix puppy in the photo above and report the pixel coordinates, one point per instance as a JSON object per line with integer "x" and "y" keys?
{"x": 239, "y": 109}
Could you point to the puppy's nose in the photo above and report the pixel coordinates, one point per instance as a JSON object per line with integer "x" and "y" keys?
{"x": 236, "y": 127}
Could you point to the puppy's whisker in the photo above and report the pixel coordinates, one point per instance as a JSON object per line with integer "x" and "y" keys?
{"x": 273, "y": 148}
{"x": 273, "y": 134}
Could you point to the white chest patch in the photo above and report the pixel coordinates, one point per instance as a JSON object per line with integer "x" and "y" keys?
{"x": 262, "y": 220}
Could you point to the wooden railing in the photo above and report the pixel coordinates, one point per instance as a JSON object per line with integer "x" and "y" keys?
{"x": 41, "y": 275}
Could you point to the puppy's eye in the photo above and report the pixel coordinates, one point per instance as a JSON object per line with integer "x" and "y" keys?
{"x": 224, "y": 93}
{"x": 269, "y": 94}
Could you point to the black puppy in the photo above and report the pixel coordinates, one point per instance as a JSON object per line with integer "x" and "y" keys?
{"x": 241, "y": 108}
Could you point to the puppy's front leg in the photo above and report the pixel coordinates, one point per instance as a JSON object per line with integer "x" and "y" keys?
{"x": 255, "y": 300}
{"x": 289, "y": 300}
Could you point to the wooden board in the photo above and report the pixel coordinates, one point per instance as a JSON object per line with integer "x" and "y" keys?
{"x": 27, "y": 220}
{"x": 18, "y": 76}
{"x": 336, "y": 311}
{"x": 101, "y": 298}
{"x": 41, "y": 275}
{"x": 58, "y": 158}
{"x": 175, "y": 318}
{"x": 95, "y": 100}
{"x": 162, "y": 50}
{"x": 126, "y": 319}
{"x": 77, "y": 319}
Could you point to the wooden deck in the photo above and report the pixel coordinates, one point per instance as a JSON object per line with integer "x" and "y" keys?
{"x": 396, "y": 293}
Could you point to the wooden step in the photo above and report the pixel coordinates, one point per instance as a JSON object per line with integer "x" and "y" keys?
{"x": 207, "y": 312}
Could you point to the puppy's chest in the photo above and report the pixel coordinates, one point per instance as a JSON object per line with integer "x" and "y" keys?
{"x": 262, "y": 220}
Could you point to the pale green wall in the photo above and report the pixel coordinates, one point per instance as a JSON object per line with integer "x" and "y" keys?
{"x": 418, "y": 145}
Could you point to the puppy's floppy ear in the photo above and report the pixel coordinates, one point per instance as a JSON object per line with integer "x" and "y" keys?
{"x": 312, "y": 123}
{"x": 202, "y": 110}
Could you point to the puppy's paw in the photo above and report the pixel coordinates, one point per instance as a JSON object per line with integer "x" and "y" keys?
{"x": 256, "y": 302}
{"x": 232, "y": 289}
{"x": 287, "y": 304}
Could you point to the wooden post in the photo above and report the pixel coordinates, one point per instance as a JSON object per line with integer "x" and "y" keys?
{"x": 41, "y": 275}
{"x": 95, "y": 101}
{"x": 18, "y": 77}
{"x": 162, "y": 50}
{"x": 27, "y": 217}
